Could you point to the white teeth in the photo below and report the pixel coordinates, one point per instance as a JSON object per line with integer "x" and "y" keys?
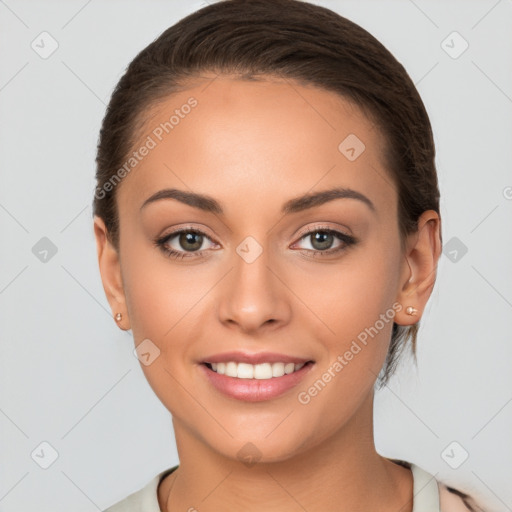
{"x": 255, "y": 371}
{"x": 231, "y": 370}
{"x": 245, "y": 371}
{"x": 263, "y": 371}
{"x": 277, "y": 369}
{"x": 289, "y": 368}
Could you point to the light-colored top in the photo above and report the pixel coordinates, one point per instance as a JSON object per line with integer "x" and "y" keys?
{"x": 429, "y": 495}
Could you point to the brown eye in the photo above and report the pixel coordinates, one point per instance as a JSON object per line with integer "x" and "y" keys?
{"x": 182, "y": 244}
{"x": 321, "y": 242}
{"x": 190, "y": 241}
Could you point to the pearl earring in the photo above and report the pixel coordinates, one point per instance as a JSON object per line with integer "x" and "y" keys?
{"x": 118, "y": 317}
{"x": 411, "y": 311}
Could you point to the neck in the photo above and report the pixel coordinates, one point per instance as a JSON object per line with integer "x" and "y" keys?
{"x": 343, "y": 472}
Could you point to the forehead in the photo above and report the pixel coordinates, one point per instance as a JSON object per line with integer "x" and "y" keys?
{"x": 232, "y": 138}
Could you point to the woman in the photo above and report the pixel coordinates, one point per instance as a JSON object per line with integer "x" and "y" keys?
{"x": 267, "y": 223}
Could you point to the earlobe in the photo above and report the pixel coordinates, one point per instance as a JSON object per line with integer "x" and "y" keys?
{"x": 421, "y": 257}
{"x": 110, "y": 271}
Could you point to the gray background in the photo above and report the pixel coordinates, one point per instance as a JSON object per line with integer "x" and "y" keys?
{"x": 68, "y": 374}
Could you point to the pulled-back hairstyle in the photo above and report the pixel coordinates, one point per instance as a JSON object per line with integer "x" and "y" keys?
{"x": 292, "y": 40}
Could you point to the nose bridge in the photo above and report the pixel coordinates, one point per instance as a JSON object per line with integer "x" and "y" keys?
{"x": 252, "y": 296}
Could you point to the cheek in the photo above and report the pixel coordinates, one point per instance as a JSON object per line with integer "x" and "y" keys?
{"x": 356, "y": 303}
{"x": 162, "y": 300}
{"x": 158, "y": 291}
{"x": 350, "y": 295}
{"x": 354, "y": 300}
{"x": 166, "y": 305}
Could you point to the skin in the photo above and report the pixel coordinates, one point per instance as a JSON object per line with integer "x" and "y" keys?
{"x": 252, "y": 146}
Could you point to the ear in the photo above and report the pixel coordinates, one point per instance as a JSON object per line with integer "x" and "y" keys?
{"x": 423, "y": 249}
{"x": 110, "y": 270}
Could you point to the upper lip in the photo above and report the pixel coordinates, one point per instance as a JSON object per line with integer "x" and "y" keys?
{"x": 258, "y": 358}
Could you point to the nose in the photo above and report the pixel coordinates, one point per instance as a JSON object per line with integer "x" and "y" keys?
{"x": 253, "y": 297}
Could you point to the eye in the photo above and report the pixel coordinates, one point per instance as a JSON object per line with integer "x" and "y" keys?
{"x": 183, "y": 243}
{"x": 321, "y": 241}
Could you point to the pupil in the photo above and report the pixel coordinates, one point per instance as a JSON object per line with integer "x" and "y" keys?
{"x": 323, "y": 238}
{"x": 188, "y": 238}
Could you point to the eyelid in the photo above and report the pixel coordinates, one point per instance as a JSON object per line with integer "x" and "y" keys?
{"x": 203, "y": 230}
{"x": 324, "y": 227}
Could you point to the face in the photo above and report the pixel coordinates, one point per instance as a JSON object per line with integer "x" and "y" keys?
{"x": 251, "y": 274}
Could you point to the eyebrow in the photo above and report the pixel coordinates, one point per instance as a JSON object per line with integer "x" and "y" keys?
{"x": 295, "y": 205}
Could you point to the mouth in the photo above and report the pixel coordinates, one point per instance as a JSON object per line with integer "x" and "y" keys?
{"x": 255, "y": 377}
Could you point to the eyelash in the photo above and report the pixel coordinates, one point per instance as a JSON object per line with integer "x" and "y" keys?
{"x": 161, "y": 242}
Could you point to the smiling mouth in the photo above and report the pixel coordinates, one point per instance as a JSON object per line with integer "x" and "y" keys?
{"x": 260, "y": 371}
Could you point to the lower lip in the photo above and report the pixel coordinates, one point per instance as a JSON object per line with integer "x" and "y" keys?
{"x": 255, "y": 390}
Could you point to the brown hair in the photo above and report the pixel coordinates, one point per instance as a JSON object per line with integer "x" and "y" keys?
{"x": 289, "y": 39}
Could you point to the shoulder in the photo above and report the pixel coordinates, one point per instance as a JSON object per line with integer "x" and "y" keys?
{"x": 145, "y": 499}
{"x": 453, "y": 500}
{"x": 432, "y": 494}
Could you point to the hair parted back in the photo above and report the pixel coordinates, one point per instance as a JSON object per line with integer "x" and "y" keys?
{"x": 296, "y": 41}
